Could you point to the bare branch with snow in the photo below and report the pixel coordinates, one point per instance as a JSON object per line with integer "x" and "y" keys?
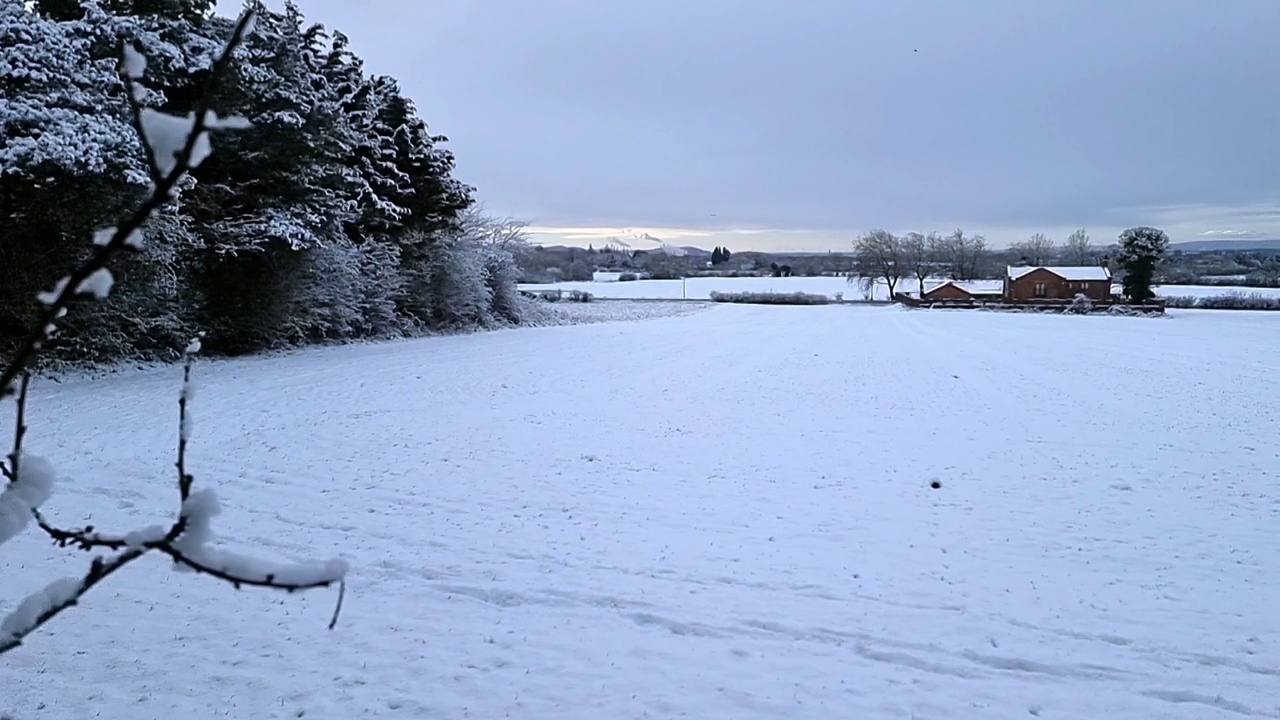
{"x": 173, "y": 145}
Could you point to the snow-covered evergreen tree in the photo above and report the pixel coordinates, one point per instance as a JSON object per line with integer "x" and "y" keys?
{"x": 68, "y": 160}
{"x": 1141, "y": 249}
{"x": 380, "y": 183}
{"x": 334, "y": 215}
{"x": 435, "y": 199}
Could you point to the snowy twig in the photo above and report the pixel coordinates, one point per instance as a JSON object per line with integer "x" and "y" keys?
{"x": 19, "y": 429}
{"x": 184, "y": 421}
{"x": 185, "y": 542}
{"x": 173, "y": 146}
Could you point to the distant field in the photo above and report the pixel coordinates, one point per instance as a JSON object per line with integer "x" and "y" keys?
{"x": 1211, "y": 290}
{"x": 701, "y": 288}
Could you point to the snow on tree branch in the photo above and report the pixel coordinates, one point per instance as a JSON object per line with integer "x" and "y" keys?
{"x": 173, "y": 145}
{"x": 169, "y": 160}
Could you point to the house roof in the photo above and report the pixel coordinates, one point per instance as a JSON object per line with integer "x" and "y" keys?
{"x": 1066, "y": 272}
{"x": 973, "y": 287}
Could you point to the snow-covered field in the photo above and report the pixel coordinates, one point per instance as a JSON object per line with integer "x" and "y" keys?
{"x": 701, "y": 288}
{"x": 1212, "y": 290}
{"x": 724, "y": 514}
{"x": 577, "y": 313}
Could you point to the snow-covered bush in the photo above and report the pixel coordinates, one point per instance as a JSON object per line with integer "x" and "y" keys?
{"x": 555, "y": 296}
{"x": 173, "y": 145}
{"x": 452, "y": 286}
{"x": 771, "y": 298}
{"x": 1226, "y": 301}
{"x": 1080, "y": 305}
{"x": 380, "y": 285}
{"x": 501, "y": 274}
{"x": 1180, "y": 301}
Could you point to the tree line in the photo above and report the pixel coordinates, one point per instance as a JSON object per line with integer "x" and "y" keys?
{"x": 881, "y": 256}
{"x": 333, "y": 215}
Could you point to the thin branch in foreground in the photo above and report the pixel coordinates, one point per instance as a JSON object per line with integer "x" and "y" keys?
{"x": 19, "y": 429}
{"x": 184, "y": 422}
{"x": 173, "y": 146}
{"x": 185, "y": 542}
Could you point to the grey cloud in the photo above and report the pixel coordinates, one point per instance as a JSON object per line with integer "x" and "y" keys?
{"x": 823, "y": 115}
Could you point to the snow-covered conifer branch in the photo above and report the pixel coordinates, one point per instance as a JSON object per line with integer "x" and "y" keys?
{"x": 169, "y": 156}
{"x": 173, "y": 146}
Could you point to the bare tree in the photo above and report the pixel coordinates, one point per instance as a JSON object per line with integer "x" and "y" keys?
{"x": 172, "y": 146}
{"x": 1078, "y": 247}
{"x": 961, "y": 257}
{"x": 878, "y": 255}
{"x": 1036, "y": 250}
{"x": 976, "y": 257}
{"x": 918, "y": 253}
{"x": 501, "y": 233}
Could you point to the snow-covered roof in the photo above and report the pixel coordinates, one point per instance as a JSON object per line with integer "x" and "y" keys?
{"x": 973, "y": 287}
{"x": 1066, "y": 272}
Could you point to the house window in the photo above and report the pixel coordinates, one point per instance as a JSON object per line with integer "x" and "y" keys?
{"x": 1041, "y": 289}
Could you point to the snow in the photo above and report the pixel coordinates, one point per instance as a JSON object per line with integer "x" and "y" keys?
{"x": 49, "y": 297}
{"x": 19, "y": 622}
{"x": 167, "y": 135}
{"x": 1071, "y": 273}
{"x": 574, "y": 313}
{"x": 199, "y": 511}
{"x": 135, "y": 63}
{"x": 725, "y": 513}
{"x": 972, "y": 286}
{"x": 106, "y": 235}
{"x": 28, "y": 492}
{"x": 98, "y": 284}
{"x": 146, "y": 535}
{"x": 233, "y": 122}
{"x": 701, "y": 288}
{"x": 1210, "y": 290}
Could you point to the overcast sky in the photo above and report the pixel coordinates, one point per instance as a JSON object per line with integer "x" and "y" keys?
{"x": 800, "y": 123}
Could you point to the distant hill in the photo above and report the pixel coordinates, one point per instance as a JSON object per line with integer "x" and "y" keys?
{"x": 1227, "y": 245}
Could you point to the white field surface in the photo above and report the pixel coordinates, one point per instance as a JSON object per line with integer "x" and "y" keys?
{"x": 701, "y": 288}
{"x": 1211, "y": 290}
{"x": 721, "y": 514}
